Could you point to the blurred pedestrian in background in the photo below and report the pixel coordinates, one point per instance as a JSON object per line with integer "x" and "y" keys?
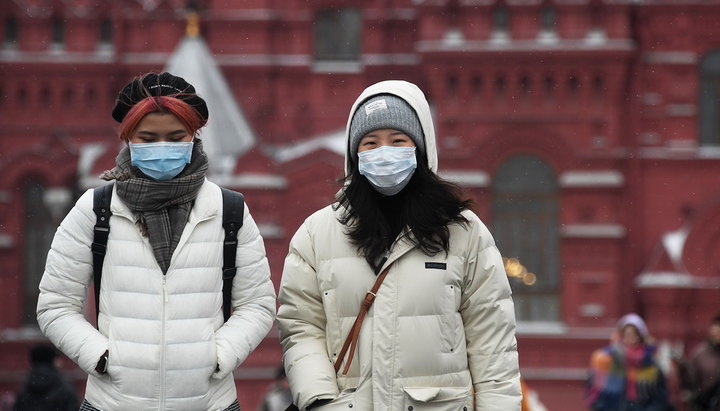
{"x": 531, "y": 400}
{"x": 162, "y": 340}
{"x": 278, "y": 396}
{"x": 441, "y": 331}
{"x": 625, "y": 376}
{"x": 45, "y": 389}
{"x": 700, "y": 374}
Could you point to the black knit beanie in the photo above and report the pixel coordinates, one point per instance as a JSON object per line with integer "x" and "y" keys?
{"x": 42, "y": 354}
{"x": 157, "y": 84}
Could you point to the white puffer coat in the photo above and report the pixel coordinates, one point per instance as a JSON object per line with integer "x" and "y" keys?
{"x": 164, "y": 333}
{"x": 440, "y": 334}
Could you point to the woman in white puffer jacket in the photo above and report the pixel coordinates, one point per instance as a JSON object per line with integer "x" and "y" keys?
{"x": 161, "y": 341}
{"x": 440, "y": 334}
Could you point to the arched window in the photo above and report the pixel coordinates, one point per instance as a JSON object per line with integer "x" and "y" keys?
{"x": 525, "y": 225}
{"x": 598, "y": 86}
{"x": 38, "y": 231}
{"x": 68, "y": 99}
{"x": 525, "y": 84}
{"x": 21, "y": 95}
{"x": 573, "y": 84}
{"x": 452, "y": 85}
{"x": 710, "y": 99}
{"x": 11, "y": 32}
{"x": 549, "y": 85}
{"x": 46, "y": 96}
{"x": 90, "y": 96}
{"x": 547, "y": 18}
{"x": 58, "y": 33}
{"x": 337, "y": 34}
{"x": 500, "y": 86}
{"x": 106, "y": 31}
{"x": 477, "y": 85}
{"x": 500, "y": 19}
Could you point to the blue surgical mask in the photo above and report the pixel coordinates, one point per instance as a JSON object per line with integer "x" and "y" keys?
{"x": 388, "y": 168}
{"x": 162, "y": 160}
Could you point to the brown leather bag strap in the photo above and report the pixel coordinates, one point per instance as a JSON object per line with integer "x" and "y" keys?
{"x": 354, "y": 334}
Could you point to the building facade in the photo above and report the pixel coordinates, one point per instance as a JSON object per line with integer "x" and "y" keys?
{"x": 586, "y": 131}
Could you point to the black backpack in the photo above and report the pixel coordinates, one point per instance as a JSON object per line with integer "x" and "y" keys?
{"x": 233, "y": 210}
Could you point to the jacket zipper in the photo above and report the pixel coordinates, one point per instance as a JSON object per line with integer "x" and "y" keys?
{"x": 162, "y": 344}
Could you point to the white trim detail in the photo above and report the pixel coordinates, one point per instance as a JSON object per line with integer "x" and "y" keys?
{"x": 466, "y": 178}
{"x": 554, "y": 373}
{"x": 425, "y": 46}
{"x": 541, "y": 327}
{"x": 252, "y": 181}
{"x": 665, "y": 279}
{"x": 270, "y": 230}
{"x": 333, "y": 141}
{"x": 712, "y": 152}
{"x": 670, "y": 57}
{"x": 681, "y": 110}
{"x": 593, "y": 230}
{"x": 6, "y": 240}
{"x": 676, "y": 152}
{"x": 331, "y": 66}
{"x": 592, "y": 310}
{"x": 594, "y": 179}
{"x": 377, "y": 59}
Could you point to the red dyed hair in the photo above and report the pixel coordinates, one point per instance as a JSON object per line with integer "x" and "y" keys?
{"x": 187, "y": 115}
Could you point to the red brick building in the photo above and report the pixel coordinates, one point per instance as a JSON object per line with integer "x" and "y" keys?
{"x": 587, "y": 131}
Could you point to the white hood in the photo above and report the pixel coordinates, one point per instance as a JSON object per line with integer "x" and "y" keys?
{"x": 415, "y": 97}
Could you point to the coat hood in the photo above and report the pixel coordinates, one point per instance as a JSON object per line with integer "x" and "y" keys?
{"x": 413, "y": 96}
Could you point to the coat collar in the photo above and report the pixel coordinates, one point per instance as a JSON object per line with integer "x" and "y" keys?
{"x": 207, "y": 204}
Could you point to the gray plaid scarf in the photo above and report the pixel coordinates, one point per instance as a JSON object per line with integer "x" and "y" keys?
{"x": 162, "y": 207}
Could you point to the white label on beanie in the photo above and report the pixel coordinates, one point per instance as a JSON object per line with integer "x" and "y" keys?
{"x": 375, "y": 106}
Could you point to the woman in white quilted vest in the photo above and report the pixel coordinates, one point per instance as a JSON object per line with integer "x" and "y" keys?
{"x": 162, "y": 342}
{"x": 440, "y": 334}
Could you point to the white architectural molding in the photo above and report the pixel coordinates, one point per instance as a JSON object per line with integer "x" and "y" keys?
{"x": 671, "y": 57}
{"x": 6, "y": 240}
{"x": 541, "y": 327}
{"x": 269, "y": 230}
{"x": 252, "y": 181}
{"x": 467, "y": 178}
{"x": 593, "y": 230}
{"x": 592, "y": 179}
{"x": 665, "y": 279}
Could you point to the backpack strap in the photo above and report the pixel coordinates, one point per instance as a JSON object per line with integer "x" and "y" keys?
{"x": 101, "y": 206}
{"x": 232, "y": 221}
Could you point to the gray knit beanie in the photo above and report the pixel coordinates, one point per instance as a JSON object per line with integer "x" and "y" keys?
{"x": 384, "y": 111}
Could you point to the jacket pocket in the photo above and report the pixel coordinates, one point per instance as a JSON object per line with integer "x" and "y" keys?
{"x": 438, "y": 399}
{"x": 452, "y": 332}
{"x": 114, "y": 359}
{"x": 332, "y": 326}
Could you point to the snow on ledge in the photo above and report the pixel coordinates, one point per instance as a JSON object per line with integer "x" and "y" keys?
{"x": 601, "y": 178}
{"x": 270, "y": 230}
{"x": 665, "y": 279}
{"x": 593, "y": 230}
{"x": 251, "y": 180}
{"x": 541, "y": 327}
{"x": 467, "y": 178}
{"x": 6, "y": 241}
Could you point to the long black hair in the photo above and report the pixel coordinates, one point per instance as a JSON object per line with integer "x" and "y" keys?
{"x": 426, "y": 206}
